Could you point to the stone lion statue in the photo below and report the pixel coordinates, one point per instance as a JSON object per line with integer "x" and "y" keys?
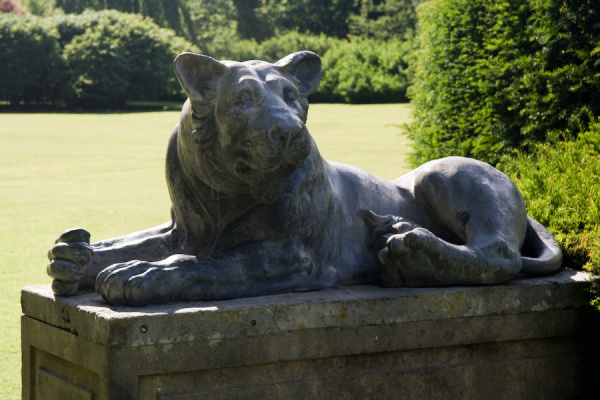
{"x": 256, "y": 210}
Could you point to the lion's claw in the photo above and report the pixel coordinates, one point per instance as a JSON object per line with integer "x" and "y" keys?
{"x": 61, "y": 288}
{"x": 75, "y": 252}
{"x": 74, "y": 235}
{"x": 69, "y": 258}
{"x": 130, "y": 283}
{"x": 64, "y": 271}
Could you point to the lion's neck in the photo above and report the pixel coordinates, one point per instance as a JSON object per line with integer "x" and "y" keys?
{"x": 218, "y": 211}
{"x": 206, "y": 208}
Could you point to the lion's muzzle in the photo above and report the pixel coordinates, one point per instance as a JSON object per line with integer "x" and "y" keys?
{"x": 282, "y": 142}
{"x": 295, "y": 144}
{"x": 267, "y": 157}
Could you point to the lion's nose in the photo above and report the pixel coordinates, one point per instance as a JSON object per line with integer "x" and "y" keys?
{"x": 285, "y": 135}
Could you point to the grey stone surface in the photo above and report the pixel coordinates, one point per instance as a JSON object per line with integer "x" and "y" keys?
{"x": 256, "y": 210}
{"x": 91, "y": 318}
{"x": 516, "y": 340}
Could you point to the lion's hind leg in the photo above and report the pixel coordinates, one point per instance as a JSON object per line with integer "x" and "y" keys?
{"x": 472, "y": 224}
{"x": 419, "y": 258}
{"x": 414, "y": 256}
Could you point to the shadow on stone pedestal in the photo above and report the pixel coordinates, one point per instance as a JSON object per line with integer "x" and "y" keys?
{"x": 519, "y": 340}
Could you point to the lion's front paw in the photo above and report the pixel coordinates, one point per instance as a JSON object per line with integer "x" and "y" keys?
{"x": 69, "y": 258}
{"x": 403, "y": 252}
{"x": 131, "y": 283}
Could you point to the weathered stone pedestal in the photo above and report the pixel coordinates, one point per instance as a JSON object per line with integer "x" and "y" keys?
{"x": 512, "y": 341}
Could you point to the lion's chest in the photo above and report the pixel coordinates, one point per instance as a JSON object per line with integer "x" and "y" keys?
{"x": 258, "y": 224}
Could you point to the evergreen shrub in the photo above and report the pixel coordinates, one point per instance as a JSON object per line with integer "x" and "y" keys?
{"x": 276, "y": 47}
{"x": 32, "y": 69}
{"x": 492, "y": 76}
{"x": 107, "y": 58}
{"x": 358, "y": 70}
{"x": 365, "y": 71}
{"x": 560, "y": 181}
{"x": 93, "y": 59}
{"x": 114, "y": 57}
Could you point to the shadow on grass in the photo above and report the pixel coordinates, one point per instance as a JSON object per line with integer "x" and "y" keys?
{"x": 129, "y": 107}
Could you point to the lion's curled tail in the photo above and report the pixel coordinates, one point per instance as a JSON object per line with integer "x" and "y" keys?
{"x": 540, "y": 252}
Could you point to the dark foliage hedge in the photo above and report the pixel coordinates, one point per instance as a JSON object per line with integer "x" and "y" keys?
{"x": 358, "y": 70}
{"x": 491, "y": 76}
{"x": 94, "y": 59}
{"x": 560, "y": 181}
{"x": 31, "y": 66}
{"x": 106, "y": 58}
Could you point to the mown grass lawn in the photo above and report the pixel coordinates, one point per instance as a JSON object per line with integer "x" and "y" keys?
{"x": 105, "y": 172}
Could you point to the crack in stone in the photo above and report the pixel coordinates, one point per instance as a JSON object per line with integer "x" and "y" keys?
{"x": 275, "y": 310}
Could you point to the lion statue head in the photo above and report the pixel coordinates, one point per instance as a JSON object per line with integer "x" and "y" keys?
{"x": 243, "y": 129}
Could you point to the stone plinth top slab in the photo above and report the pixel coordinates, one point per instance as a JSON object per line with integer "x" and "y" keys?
{"x": 91, "y": 318}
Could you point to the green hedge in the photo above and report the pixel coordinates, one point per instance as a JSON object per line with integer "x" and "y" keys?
{"x": 31, "y": 67}
{"x": 94, "y": 59}
{"x": 274, "y": 48}
{"x": 360, "y": 70}
{"x": 365, "y": 71}
{"x": 561, "y": 185}
{"x": 106, "y": 58}
{"x": 491, "y": 76}
{"x": 120, "y": 57}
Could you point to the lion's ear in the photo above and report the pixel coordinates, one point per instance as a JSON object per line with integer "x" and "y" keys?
{"x": 305, "y": 66}
{"x": 198, "y": 74}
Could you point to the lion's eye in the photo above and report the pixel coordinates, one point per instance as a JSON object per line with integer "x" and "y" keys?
{"x": 289, "y": 95}
{"x": 245, "y": 96}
